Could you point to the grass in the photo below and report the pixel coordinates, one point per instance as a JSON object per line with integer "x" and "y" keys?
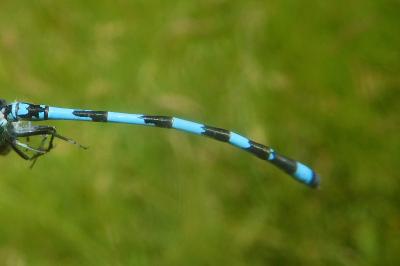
{"x": 316, "y": 80}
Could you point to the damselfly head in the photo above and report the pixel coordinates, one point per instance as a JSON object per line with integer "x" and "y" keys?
{"x": 3, "y": 121}
{"x": 3, "y": 103}
{"x": 4, "y": 146}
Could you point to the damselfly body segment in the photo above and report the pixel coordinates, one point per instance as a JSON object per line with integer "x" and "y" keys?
{"x": 16, "y": 118}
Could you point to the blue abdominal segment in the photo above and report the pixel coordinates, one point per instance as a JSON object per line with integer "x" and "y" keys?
{"x": 239, "y": 141}
{"x": 56, "y": 113}
{"x": 305, "y": 174}
{"x": 135, "y": 119}
{"x": 188, "y": 126}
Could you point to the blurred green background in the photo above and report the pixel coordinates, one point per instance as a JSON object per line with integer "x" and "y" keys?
{"x": 317, "y": 80}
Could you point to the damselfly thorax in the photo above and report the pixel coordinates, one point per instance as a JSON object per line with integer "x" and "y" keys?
{"x": 27, "y": 140}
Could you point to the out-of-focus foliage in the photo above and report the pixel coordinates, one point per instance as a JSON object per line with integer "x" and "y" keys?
{"x": 317, "y": 80}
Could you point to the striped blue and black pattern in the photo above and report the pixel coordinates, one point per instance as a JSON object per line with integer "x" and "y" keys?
{"x": 25, "y": 111}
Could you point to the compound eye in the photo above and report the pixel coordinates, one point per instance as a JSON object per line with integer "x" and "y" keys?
{"x": 5, "y": 148}
{"x": 3, "y": 103}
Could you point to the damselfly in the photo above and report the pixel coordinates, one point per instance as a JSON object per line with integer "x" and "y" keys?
{"x": 16, "y": 130}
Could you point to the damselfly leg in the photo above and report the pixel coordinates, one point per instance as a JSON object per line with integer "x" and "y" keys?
{"x": 46, "y": 135}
